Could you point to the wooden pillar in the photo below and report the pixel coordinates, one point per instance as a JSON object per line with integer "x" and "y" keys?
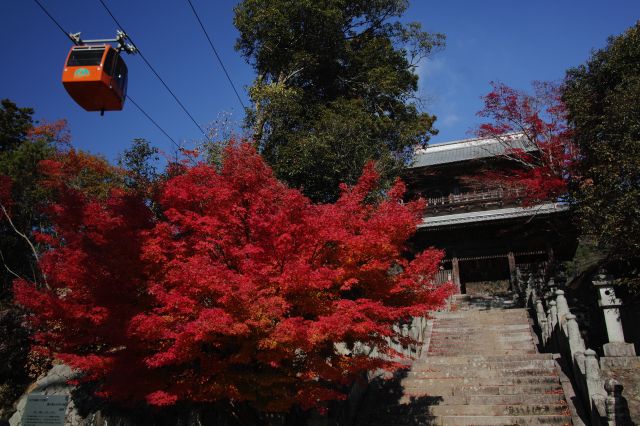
{"x": 455, "y": 266}
{"x": 512, "y": 271}
{"x": 551, "y": 260}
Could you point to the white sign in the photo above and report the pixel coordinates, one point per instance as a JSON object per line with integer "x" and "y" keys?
{"x": 45, "y": 410}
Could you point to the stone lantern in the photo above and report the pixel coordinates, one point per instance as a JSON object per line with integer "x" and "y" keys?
{"x": 610, "y": 306}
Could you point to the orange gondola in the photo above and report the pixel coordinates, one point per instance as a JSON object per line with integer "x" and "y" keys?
{"x": 95, "y": 76}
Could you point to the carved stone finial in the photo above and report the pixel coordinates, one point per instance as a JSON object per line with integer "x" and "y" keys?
{"x": 613, "y": 387}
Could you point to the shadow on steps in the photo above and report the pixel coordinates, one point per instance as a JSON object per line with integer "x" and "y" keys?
{"x": 383, "y": 406}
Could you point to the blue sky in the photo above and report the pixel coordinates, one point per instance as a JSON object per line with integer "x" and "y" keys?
{"x": 515, "y": 42}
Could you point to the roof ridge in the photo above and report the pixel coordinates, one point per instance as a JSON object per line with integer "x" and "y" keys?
{"x": 469, "y": 149}
{"x": 476, "y": 139}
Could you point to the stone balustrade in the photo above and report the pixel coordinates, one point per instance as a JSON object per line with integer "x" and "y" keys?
{"x": 418, "y": 330}
{"x": 560, "y": 333}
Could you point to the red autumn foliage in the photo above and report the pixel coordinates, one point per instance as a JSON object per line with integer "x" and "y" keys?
{"x": 241, "y": 290}
{"x": 72, "y": 169}
{"x": 55, "y": 131}
{"x": 541, "y": 119}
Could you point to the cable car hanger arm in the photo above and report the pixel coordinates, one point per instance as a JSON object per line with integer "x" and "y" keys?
{"x": 121, "y": 39}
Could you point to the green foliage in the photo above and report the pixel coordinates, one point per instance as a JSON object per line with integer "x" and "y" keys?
{"x": 14, "y": 124}
{"x": 586, "y": 259}
{"x": 140, "y": 161}
{"x": 19, "y": 159}
{"x": 602, "y": 98}
{"x": 335, "y": 87}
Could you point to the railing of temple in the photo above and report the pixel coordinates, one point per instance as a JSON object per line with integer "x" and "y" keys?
{"x": 560, "y": 333}
{"x": 489, "y": 197}
{"x": 443, "y": 276}
{"x": 418, "y": 329}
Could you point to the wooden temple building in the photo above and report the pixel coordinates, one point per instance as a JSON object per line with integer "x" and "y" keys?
{"x": 487, "y": 234}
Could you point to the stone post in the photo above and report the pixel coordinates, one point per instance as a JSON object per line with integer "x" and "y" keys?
{"x": 576, "y": 344}
{"x": 552, "y": 322}
{"x": 592, "y": 369}
{"x": 544, "y": 331}
{"x": 551, "y": 288}
{"x": 562, "y": 305}
{"x": 580, "y": 374}
{"x": 615, "y": 404}
{"x": 540, "y": 311}
{"x": 530, "y": 288}
{"x": 563, "y": 310}
{"x": 610, "y": 306}
{"x": 595, "y": 388}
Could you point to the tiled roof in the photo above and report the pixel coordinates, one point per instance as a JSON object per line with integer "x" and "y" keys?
{"x": 469, "y": 149}
{"x": 490, "y": 215}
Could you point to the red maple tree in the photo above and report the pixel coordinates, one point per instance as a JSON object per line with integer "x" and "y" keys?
{"x": 540, "y": 120}
{"x": 241, "y": 289}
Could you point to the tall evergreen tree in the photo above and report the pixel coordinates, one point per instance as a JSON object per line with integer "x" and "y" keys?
{"x": 335, "y": 86}
{"x": 602, "y": 100}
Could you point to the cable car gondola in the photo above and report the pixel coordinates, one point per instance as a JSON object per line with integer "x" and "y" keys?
{"x": 95, "y": 75}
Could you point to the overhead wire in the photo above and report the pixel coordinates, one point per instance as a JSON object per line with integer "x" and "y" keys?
{"x": 153, "y": 70}
{"x": 128, "y": 97}
{"x": 215, "y": 52}
{"x": 153, "y": 121}
{"x": 54, "y": 20}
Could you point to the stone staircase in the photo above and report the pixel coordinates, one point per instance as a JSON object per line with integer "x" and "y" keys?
{"x": 480, "y": 367}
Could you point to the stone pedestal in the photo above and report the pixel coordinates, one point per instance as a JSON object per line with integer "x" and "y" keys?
{"x": 619, "y": 349}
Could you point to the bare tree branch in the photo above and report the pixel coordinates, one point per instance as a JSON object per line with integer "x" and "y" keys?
{"x": 23, "y": 236}
{"x": 7, "y": 267}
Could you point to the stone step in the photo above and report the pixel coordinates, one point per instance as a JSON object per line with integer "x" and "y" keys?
{"x": 494, "y": 349}
{"x": 482, "y": 311}
{"x": 444, "y": 390}
{"x": 425, "y": 365}
{"x": 536, "y": 399}
{"x": 473, "y": 329}
{"x": 471, "y": 325}
{"x": 480, "y": 373}
{"x": 480, "y": 337}
{"x": 463, "y": 333}
{"x": 497, "y": 410}
{"x": 488, "y": 342}
{"x": 481, "y": 367}
{"x": 412, "y": 382}
{"x": 470, "y": 358}
{"x": 494, "y": 313}
{"x": 486, "y": 339}
{"x": 467, "y": 317}
{"x": 472, "y": 420}
{"x": 479, "y": 351}
{"x": 478, "y": 323}
{"x": 456, "y": 333}
{"x": 485, "y": 346}
{"x": 484, "y": 410}
{"x": 486, "y": 352}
